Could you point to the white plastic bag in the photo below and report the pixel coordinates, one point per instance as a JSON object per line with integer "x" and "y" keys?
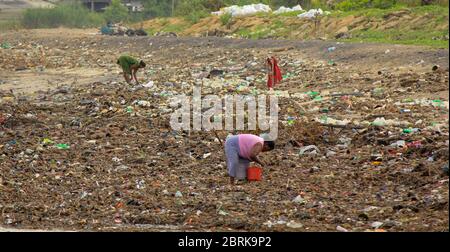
{"x": 312, "y": 13}
{"x": 283, "y": 9}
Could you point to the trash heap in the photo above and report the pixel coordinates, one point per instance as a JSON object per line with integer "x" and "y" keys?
{"x": 253, "y": 9}
{"x": 246, "y": 10}
{"x": 358, "y": 150}
{"x": 313, "y": 13}
{"x": 283, "y": 9}
{"x": 120, "y": 30}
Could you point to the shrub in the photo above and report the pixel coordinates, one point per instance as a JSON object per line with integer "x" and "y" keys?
{"x": 116, "y": 12}
{"x": 383, "y": 4}
{"x": 195, "y": 16}
{"x": 69, "y": 15}
{"x": 348, "y": 5}
{"x": 192, "y": 10}
{"x": 226, "y": 18}
{"x": 12, "y": 24}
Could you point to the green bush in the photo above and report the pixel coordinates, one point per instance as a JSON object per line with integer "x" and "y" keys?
{"x": 12, "y": 24}
{"x": 226, "y": 18}
{"x": 383, "y": 4}
{"x": 68, "y": 15}
{"x": 195, "y": 16}
{"x": 413, "y": 3}
{"x": 192, "y": 10}
{"x": 348, "y": 5}
{"x": 116, "y": 12}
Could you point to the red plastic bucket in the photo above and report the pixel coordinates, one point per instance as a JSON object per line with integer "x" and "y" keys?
{"x": 254, "y": 174}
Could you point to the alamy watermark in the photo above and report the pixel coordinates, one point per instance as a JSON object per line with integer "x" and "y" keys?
{"x": 213, "y": 112}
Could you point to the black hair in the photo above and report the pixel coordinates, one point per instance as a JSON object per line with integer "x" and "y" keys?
{"x": 142, "y": 64}
{"x": 270, "y": 144}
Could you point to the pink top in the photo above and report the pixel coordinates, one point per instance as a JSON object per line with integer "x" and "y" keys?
{"x": 246, "y": 143}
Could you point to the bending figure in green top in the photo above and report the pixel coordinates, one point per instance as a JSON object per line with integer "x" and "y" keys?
{"x": 130, "y": 66}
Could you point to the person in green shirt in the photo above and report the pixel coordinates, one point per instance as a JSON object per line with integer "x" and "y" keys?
{"x": 130, "y": 66}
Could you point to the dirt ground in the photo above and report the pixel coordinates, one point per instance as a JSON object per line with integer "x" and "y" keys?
{"x": 123, "y": 168}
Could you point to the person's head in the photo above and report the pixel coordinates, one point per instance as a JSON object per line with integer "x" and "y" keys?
{"x": 142, "y": 64}
{"x": 268, "y": 146}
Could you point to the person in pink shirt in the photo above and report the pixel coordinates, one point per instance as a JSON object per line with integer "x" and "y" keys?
{"x": 242, "y": 149}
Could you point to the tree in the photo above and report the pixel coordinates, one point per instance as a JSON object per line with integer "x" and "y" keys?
{"x": 116, "y": 12}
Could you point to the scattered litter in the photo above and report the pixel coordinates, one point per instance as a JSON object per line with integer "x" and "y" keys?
{"x": 5, "y": 45}
{"x": 295, "y": 225}
{"x": 149, "y": 84}
{"x": 445, "y": 169}
{"x": 313, "y": 13}
{"x": 309, "y": 150}
{"x": 376, "y": 224}
{"x": 223, "y": 213}
{"x": 331, "y": 49}
{"x": 299, "y": 200}
{"x": 246, "y": 10}
{"x": 399, "y": 144}
{"x": 122, "y": 147}
{"x": 63, "y": 146}
{"x": 341, "y": 229}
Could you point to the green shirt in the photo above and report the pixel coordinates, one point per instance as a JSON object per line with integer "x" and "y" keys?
{"x": 126, "y": 62}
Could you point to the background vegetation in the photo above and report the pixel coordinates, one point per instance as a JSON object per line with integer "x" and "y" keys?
{"x": 188, "y": 12}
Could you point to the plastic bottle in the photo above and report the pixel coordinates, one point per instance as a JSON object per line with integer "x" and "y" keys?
{"x": 291, "y": 120}
{"x": 63, "y": 146}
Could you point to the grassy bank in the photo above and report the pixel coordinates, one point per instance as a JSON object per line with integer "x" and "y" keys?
{"x": 67, "y": 15}
{"x": 431, "y": 31}
{"x": 7, "y": 25}
{"x": 396, "y": 36}
{"x": 10, "y": 20}
{"x": 422, "y": 25}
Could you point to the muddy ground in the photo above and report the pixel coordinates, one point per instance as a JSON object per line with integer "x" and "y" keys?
{"x": 79, "y": 152}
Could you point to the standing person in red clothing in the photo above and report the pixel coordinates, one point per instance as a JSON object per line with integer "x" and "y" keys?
{"x": 274, "y": 73}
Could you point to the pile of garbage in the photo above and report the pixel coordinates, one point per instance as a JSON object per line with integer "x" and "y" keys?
{"x": 246, "y": 10}
{"x": 166, "y": 34}
{"x": 283, "y": 9}
{"x": 253, "y": 9}
{"x": 313, "y": 13}
{"x": 120, "y": 30}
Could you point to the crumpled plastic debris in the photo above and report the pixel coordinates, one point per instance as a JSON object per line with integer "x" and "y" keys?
{"x": 313, "y": 13}
{"x": 283, "y": 9}
{"x": 246, "y": 10}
